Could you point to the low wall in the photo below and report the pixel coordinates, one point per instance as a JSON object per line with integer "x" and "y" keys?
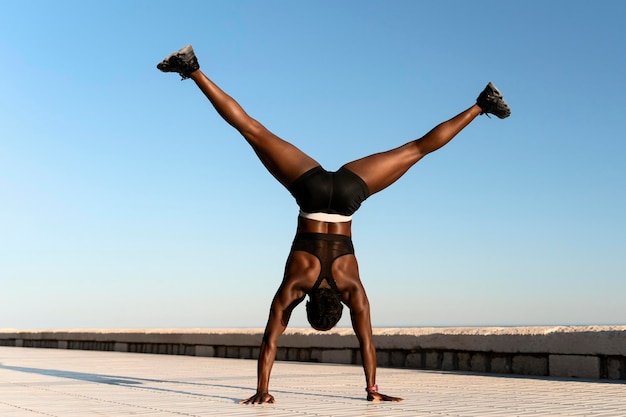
{"x": 594, "y": 352}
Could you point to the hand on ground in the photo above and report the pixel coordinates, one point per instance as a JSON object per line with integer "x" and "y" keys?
{"x": 377, "y": 396}
{"x": 259, "y": 398}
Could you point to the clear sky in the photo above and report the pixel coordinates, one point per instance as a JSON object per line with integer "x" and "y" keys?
{"x": 125, "y": 201}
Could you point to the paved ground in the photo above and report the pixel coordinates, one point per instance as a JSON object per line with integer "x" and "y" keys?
{"x": 51, "y": 382}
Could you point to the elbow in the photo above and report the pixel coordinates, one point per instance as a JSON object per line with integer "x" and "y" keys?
{"x": 268, "y": 342}
{"x": 361, "y": 308}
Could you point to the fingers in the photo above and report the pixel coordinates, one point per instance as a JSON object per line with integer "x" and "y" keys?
{"x": 377, "y": 396}
{"x": 259, "y": 399}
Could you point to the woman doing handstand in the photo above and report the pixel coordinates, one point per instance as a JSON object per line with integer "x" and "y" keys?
{"x": 321, "y": 263}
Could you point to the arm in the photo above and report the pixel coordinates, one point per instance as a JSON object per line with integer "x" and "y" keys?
{"x": 283, "y": 304}
{"x": 362, "y": 325}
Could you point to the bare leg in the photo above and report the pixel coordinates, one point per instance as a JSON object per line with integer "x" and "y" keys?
{"x": 282, "y": 159}
{"x": 383, "y": 169}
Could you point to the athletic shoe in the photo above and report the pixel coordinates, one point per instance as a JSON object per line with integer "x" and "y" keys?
{"x": 491, "y": 101}
{"x": 183, "y": 61}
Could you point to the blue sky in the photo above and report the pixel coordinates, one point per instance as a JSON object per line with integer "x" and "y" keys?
{"x": 125, "y": 201}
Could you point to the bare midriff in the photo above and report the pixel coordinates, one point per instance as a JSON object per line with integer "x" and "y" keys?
{"x": 313, "y": 226}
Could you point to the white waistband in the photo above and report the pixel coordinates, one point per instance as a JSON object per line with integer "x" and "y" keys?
{"x": 326, "y": 217}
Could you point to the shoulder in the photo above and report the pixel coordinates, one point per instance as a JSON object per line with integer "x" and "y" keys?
{"x": 353, "y": 293}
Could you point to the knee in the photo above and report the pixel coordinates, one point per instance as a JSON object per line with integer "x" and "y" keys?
{"x": 410, "y": 153}
{"x": 253, "y": 130}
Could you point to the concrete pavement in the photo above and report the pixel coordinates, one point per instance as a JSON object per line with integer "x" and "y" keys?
{"x": 56, "y": 382}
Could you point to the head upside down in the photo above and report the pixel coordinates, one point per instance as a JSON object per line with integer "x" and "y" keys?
{"x": 324, "y": 308}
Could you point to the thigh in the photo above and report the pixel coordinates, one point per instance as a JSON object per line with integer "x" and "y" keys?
{"x": 283, "y": 160}
{"x": 382, "y": 169}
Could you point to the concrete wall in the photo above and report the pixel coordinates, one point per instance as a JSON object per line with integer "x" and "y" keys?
{"x": 595, "y": 352}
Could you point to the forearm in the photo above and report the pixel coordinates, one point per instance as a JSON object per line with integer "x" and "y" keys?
{"x": 362, "y": 325}
{"x": 267, "y": 355}
{"x": 368, "y": 354}
{"x": 363, "y": 329}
